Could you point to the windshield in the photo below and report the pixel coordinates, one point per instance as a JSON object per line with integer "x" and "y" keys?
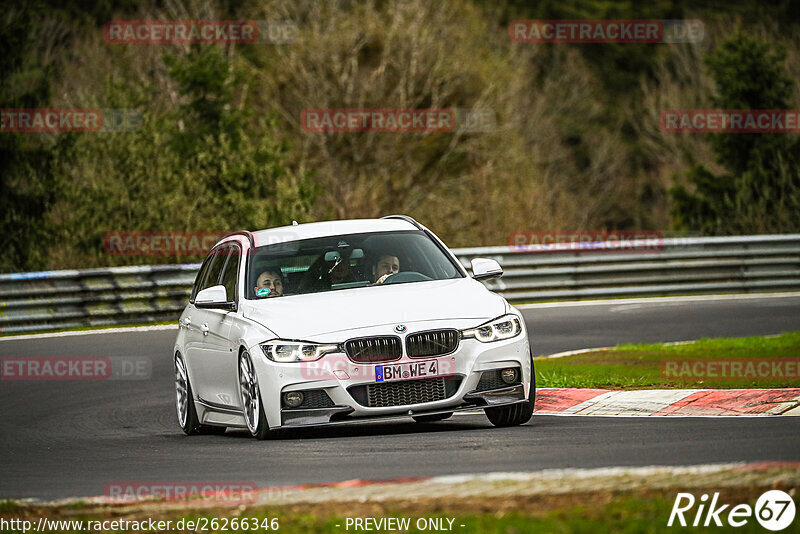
{"x": 346, "y": 262}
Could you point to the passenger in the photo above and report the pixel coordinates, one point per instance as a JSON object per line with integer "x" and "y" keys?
{"x": 386, "y": 266}
{"x": 341, "y": 273}
{"x": 324, "y": 274}
{"x": 271, "y": 280}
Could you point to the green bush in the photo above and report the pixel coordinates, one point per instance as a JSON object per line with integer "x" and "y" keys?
{"x": 760, "y": 192}
{"x": 207, "y": 167}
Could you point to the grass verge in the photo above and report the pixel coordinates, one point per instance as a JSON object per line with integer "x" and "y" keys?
{"x": 644, "y": 366}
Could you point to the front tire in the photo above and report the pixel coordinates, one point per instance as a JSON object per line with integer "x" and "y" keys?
{"x": 184, "y": 403}
{"x": 516, "y": 414}
{"x": 250, "y": 393}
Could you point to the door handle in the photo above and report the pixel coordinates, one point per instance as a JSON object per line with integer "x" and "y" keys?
{"x": 185, "y": 322}
{"x": 204, "y": 329}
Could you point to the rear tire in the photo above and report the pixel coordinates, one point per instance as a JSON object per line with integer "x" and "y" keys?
{"x": 184, "y": 403}
{"x": 432, "y": 418}
{"x": 516, "y": 414}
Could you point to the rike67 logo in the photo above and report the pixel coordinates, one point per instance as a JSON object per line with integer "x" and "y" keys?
{"x": 774, "y": 510}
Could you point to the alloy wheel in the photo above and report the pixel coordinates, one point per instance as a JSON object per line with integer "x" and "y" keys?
{"x": 248, "y": 386}
{"x": 181, "y": 390}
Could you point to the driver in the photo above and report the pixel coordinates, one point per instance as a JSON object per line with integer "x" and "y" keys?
{"x": 386, "y": 266}
{"x": 271, "y": 280}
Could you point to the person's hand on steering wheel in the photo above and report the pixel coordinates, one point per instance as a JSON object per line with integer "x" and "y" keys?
{"x": 384, "y": 277}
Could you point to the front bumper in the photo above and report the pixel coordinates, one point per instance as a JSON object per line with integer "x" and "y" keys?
{"x": 338, "y": 415}
{"x": 337, "y": 376}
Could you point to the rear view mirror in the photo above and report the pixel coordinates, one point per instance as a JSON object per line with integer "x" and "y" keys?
{"x": 332, "y": 255}
{"x": 485, "y": 269}
{"x": 214, "y": 297}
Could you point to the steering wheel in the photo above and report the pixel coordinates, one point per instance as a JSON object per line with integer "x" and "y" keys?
{"x": 406, "y": 276}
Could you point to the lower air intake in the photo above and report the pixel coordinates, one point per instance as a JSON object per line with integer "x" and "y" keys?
{"x": 405, "y": 392}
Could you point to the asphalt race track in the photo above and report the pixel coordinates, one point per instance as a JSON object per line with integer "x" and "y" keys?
{"x": 62, "y": 439}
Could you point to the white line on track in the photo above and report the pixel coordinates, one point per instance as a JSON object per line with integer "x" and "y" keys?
{"x": 90, "y": 332}
{"x": 657, "y": 300}
{"x": 601, "y": 349}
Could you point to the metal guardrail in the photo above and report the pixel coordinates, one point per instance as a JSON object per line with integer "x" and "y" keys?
{"x": 143, "y": 294}
{"x": 52, "y": 300}
{"x": 739, "y": 264}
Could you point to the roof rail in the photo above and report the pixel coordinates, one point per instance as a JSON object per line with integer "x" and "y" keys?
{"x": 248, "y": 234}
{"x": 404, "y": 218}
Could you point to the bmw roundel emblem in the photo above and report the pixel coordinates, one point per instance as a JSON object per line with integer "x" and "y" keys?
{"x": 400, "y": 328}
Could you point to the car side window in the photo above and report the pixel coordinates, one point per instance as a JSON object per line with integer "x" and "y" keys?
{"x": 201, "y": 274}
{"x": 230, "y": 272}
{"x": 218, "y": 257}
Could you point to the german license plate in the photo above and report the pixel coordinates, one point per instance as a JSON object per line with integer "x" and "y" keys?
{"x": 406, "y": 371}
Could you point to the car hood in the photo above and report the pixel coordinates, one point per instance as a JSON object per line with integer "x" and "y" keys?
{"x": 307, "y": 316}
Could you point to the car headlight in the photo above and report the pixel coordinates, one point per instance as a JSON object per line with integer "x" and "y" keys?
{"x": 282, "y": 351}
{"x": 504, "y": 327}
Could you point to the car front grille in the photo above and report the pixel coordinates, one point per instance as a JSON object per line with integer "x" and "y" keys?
{"x": 433, "y": 343}
{"x": 374, "y": 349}
{"x": 405, "y": 392}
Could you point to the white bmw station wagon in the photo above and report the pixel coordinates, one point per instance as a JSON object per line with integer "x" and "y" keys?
{"x": 340, "y": 322}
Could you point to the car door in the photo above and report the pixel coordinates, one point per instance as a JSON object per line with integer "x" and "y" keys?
{"x": 196, "y": 323}
{"x": 217, "y": 356}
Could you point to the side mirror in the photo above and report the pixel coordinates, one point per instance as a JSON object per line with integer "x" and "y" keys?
{"x": 214, "y": 297}
{"x": 485, "y": 269}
